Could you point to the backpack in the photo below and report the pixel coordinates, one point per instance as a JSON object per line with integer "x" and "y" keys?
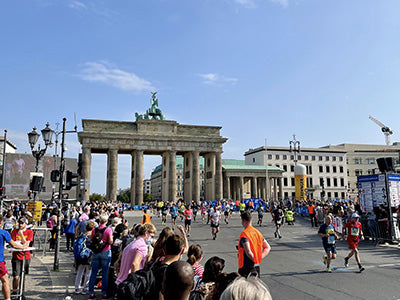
{"x": 97, "y": 244}
{"x": 140, "y": 285}
{"x": 81, "y": 251}
{"x": 49, "y": 224}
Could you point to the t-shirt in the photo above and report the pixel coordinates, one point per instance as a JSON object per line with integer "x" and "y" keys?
{"x": 70, "y": 228}
{"x": 137, "y": 246}
{"x": 325, "y": 229}
{"x": 214, "y": 215}
{"x": 198, "y": 270}
{"x": 173, "y": 211}
{"x": 4, "y": 237}
{"x": 84, "y": 216}
{"x": 353, "y": 230}
{"x": 107, "y": 233}
{"x": 28, "y": 234}
{"x": 188, "y": 214}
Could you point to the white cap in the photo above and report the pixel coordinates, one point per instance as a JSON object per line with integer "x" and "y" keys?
{"x": 355, "y": 215}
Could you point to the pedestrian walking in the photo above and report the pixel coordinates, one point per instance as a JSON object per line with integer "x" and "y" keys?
{"x": 253, "y": 248}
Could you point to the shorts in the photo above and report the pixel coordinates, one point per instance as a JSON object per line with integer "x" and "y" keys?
{"x": 353, "y": 244}
{"x": 17, "y": 267}
{"x": 188, "y": 222}
{"x": 330, "y": 248}
{"x": 3, "y": 269}
{"x": 226, "y": 213}
{"x": 214, "y": 225}
{"x": 260, "y": 216}
{"x": 173, "y": 217}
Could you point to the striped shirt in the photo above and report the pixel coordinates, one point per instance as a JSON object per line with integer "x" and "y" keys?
{"x": 198, "y": 270}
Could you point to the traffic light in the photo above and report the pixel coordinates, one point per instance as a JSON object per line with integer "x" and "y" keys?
{"x": 2, "y": 191}
{"x": 55, "y": 176}
{"x": 80, "y": 164}
{"x": 69, "y": 181}
{"x": 36, "y": 183}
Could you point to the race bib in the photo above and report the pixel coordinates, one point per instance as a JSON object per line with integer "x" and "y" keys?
{"x": 355, "y": 231}
{"x": 331, "y": 239}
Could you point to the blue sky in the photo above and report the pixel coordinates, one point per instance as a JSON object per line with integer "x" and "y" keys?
{"x": 258, "y": 68}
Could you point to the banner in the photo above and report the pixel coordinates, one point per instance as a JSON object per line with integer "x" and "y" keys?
{"x": 35, "y": 208}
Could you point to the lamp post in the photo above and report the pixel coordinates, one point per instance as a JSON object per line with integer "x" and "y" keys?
{"x": 3, "y": 174}
{"x": 294, "y": 147}
{"x": 33, "y": 137}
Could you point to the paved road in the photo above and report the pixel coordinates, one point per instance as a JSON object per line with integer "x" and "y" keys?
{"x": 294, "y": 268}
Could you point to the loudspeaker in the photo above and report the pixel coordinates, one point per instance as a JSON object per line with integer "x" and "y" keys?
{"x": 36, "y": 183}
{"x": 385, "y": 164}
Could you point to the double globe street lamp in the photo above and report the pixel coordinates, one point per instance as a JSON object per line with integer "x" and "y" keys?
{"x": 33, "y": 137}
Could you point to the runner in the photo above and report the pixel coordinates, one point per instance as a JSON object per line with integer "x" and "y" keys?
{"x": 226, "y": 212}
{"x": 164, "y": 212}
{"x": 260, "y": 215}
{"x": 327, "y": 233}
{"x": 181, "y": 211}
{"x": 188, "y": 218}
{"x": 354, "y": 230}
{"x": 194, "y": 209}
{"x": 203, "y": 212}
{"x": 277, "y": 215}
{"x": 173, "y": 211}
{"x": 214, "y": 216}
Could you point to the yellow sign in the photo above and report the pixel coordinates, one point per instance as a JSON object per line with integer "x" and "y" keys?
{"x": 35, "y": 208}
{"x": 300, "y": 182}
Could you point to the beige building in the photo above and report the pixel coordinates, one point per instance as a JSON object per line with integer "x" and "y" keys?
{"x": 147, "y": 186}
{"x": 335, "y": 167}
{"x": 326, "y": 169}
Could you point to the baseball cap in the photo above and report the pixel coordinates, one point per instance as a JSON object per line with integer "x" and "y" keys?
{"x": 355, "y": 215}
{"x": 23, "y": 220}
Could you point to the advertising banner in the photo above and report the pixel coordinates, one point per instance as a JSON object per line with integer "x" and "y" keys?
{"x": 35, "y": 208}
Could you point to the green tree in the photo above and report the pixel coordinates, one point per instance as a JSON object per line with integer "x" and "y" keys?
{"x": 147, "y": 198}
{"x": 125, "y": 196}
{"x": 96, "y": 197}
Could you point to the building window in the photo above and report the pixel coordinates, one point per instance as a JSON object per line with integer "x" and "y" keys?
{"x": 309, "y": 170}
{"x": 321, "y": 169}
{"x": 305, "y": 157}
{"x": 284, "y": 157}
{"x": 313, "y": 157}
{"x": 358, "y": 172}
{"x": 299, "y": 157}
{"x": 328, "y": 169}
{"x": 327, "y": 158}
{"x": 291, "y": 157}
{"x": 292, "y": 181}
{"x": 341, "y": 181}
{"x": 285, "y": 181}
{"x": 340, "y": 158}
{"x": 348, "y": 173}
{"x": 357, "y": 161}
{"x": 342, "y": 193}
{"x": 291, "y": 168}
{"x": 311, "y": 182}
{"x": 333, "y": 158}
{"x": 329, "y": 194}
{"x": 285, "y": 168}
{"x": 321, "y": 181}
{"x": 320, "y": 158}
{"x": 328, "y": 182}
{"x": 341, "y": 169}
{"x": 277, "y": 156}
{"x": 334, "y": 169}
{"x": 336, "y": 194}
{"x": 254, "y": 160}
{"x": 370, "y": 161}
{"x": 334, "y": 181}
{"x": 278, "y": 166}
{"x": 269, "y": 156}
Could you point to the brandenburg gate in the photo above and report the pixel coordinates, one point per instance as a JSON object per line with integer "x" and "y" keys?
{"x": 155, "y": 137}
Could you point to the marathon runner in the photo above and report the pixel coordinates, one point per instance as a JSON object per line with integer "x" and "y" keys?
{"x": 173, "y": 211}
{"x": 214, "y": 216}
{"x": 327, "y": 233}
{"x": 354, "y": 231}
{"x": 188, "y": 219}
{"x": 260, "y": 215}
{"x": 164, "y": 212}
{"x": 277, "y": 215}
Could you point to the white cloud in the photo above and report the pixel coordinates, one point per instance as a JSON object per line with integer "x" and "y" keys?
{"x": 215, "y": 79}
{"x": 283, "y": 3}
{"x": 110, "y": 75}
{"x": 77, "y": 5}
{"x": 246, "y": 3}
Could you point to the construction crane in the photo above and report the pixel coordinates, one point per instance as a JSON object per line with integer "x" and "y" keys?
{"x": 386, "y": 130}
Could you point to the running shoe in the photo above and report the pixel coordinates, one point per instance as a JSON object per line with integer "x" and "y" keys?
{"x": 346, "y": 262}
{"x": 92, "y": 297}
{"x": 276, "y": 235}
{"x": 361, "y": 268}
{"x": 325, "y": 259}
{"x": 329, "y": 270}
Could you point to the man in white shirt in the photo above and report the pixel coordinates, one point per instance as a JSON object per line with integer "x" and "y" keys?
{"x": 214, "y": 216}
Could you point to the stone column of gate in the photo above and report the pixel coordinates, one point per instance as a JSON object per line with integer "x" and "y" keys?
{"x": 112, "y": 172}
{"x": 280, "y": 188}
{"x": 86, "y": 163}
{"x": 165, "y": 176}
{"x": 218, "y": 176}
{"x": 241, "y": 187}
{"x": 196, "y": 177}
{"x": 276, "y": 188}
{"x": 139, "y": 177}
{"x": 133, "y": 179}
{"x": 254, "y": 188}
{"x": 172, "y": 176}
{"x": 187, "y": 177}
{"x": 228, "y": 187}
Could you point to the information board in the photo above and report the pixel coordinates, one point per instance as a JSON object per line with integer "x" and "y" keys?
{"x": 35, "y": 208}
{"x": 394, "y": 189}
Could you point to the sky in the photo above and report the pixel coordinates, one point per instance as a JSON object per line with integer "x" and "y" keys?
{"x": 261, "y": 69}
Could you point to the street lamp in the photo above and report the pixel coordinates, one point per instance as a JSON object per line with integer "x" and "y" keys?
{"x": 294, "y": 147}
{"x": 33, "y": 137}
